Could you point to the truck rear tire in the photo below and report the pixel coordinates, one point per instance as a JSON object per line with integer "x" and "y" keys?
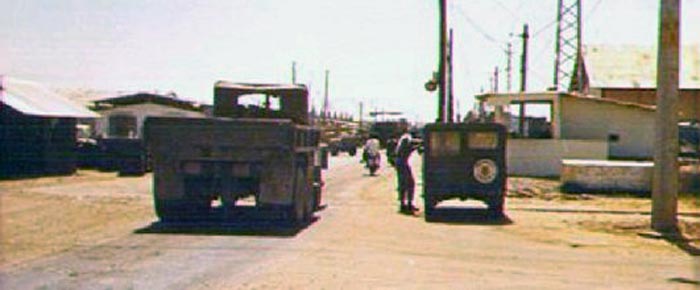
{"x": 298, "y": 211}
{"x": 495, "y": 205}
{"x": 429, "y": 204}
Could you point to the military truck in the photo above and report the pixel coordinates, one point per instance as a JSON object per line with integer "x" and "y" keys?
{"x": 464, "y": 161}
{"x": 346, "y": 143}
{"x": 386, "y": 130}
{"x": 264, "y": 149}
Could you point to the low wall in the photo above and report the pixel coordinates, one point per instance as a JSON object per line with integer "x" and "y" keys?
{"x": 543, "y": 157}
{"x": 606, "y": 176}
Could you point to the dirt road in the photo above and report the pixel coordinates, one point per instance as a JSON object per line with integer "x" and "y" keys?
{"x": 96, "y": 231}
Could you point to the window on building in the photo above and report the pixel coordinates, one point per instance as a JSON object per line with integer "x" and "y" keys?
{"x": 537, "y": 121}
{"x": 123, "y": 126}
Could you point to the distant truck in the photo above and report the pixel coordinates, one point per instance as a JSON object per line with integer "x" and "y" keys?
{"x": 266, "y": 150}
{"x": 386, "y": 130}
{"x": 347, "y": 144}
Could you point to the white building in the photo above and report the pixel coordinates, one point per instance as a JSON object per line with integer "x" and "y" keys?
{"x": 581, "y": 128}
{"x": 124, "y": 116}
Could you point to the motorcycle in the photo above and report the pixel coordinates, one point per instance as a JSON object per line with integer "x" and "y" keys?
{"x": 372, "y": 162}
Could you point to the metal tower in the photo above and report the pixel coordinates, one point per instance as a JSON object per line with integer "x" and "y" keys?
{"x": 568, "y": 46}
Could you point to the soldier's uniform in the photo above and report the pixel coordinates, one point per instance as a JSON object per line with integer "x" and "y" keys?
{"x": 406, "y": 183}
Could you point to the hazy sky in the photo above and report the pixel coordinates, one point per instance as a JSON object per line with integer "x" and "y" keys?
{"x": 379, "y": 52}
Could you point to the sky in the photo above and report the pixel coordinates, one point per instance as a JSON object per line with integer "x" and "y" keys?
{"x": 378, "y": 52}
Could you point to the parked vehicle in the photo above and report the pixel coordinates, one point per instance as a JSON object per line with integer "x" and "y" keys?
{"x": 128, "y": 156}
{"x": 464, "y": 161}
{"x": 347, "y": 144}
{"x": 388, "y": 130}
{"x": 269, "y": 152}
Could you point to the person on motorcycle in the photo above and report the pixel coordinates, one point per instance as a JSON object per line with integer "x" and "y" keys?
{"x": 370, "y": 154}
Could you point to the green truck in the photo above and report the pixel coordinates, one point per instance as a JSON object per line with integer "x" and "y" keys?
{"x": 266, "y": 150}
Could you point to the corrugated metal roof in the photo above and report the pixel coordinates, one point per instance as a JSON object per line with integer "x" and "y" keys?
{"x": 169, "y": 99}
{"x": 630, "y": 66}
{"x": 86, "y": 97}
{"x": 34, "y": 99}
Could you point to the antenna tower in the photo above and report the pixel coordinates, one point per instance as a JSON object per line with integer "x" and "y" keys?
{"x": 568, "y": 46}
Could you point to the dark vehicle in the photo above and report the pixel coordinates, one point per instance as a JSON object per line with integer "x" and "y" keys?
{"x": 388, "y": 130}
{"x": 689, "y": 138}
{"x": 347, "y": 144}
{"x": 464, "y": 161}
{"x": 127, "y": 156}
{"x": 268, "y": 152}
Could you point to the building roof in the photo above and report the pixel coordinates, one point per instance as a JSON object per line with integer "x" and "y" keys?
{"x": 32, "y": 98}
{"x": 257, "y": 87}
{"x": 87, "y": 97}
{"x": 170, "y": 99}
{"x": 630, "y": 66}
{"x": 498, "y": 99}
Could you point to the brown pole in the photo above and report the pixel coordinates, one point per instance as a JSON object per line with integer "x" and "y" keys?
{"x": 441, "y": 62}
{"x": 523, "y": 80}
{"x": 450, "y": 84}
{"x": 665, "y": 185}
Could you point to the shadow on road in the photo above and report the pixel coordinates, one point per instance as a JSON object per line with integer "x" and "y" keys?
{"x": 244, "y": 222}
{"x": 467, "y": 216}
{"x": 677, "y": 239}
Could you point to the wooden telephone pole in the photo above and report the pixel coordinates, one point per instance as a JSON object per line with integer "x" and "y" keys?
{"x": 665, "y": 186}
{"x": 523, "y": 79}
{"x": 441, "y": 63}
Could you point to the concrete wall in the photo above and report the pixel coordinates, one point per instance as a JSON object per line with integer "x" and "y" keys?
{"x": 141, "y": 112}
{"x": 543, "y": 157}
{"x": 633, "y": 126}
{"x": 606, "y": 176}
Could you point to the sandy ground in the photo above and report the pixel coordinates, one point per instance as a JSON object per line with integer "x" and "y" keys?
{"x": 548, "y": 240}
{"x": 44, "y": 216}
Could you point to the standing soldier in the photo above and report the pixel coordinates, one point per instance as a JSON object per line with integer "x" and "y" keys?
{"x": 406, "y": 183}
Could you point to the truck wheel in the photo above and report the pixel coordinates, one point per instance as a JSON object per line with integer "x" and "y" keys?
{"x": 352, "y": 151}
{"x": 317, "y": 189}
{"x": 495, "y": 205}
{"x": 166, "y": 211}
{"x": 429, "y": 204}
{"x": 298, "y": 211}
{"x": 334, "y": 152}
{"x": 173, "y": 210}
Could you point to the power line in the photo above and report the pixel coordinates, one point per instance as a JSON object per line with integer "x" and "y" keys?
{"x": 474, "y": 25}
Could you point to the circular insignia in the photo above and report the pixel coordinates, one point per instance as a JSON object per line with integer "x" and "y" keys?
{"x": 485, "y": 171}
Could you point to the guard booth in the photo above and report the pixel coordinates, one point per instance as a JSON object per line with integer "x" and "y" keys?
{"x": 465, "y": 161}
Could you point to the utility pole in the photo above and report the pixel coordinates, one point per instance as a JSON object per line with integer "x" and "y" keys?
{"x": 495, "y": 79}
{"x": 459, "y": 116}
{"x": 509, "y": 68}
{"x": 361, "y": 109}
{"x": 665, "y": 186}
{"x": 294, "y": 72}
{"x": 441, "y": 62}
{"x": 450, "y": 86}
{"x": 325, "y": 98}
{"x": 523, "y": 79}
